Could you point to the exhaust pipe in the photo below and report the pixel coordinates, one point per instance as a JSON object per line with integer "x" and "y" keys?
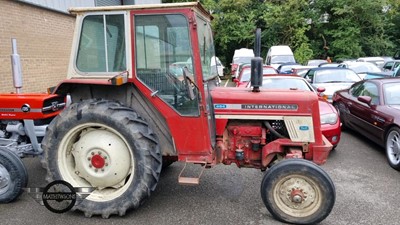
{"x": 16, "y": 67}
{"x": 256, "y": 64}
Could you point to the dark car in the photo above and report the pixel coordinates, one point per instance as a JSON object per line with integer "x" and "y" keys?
{"x": 372, "y": 108}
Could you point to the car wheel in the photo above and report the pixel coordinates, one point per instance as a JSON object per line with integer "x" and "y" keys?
{"x": 393, "y": 147}
{"x": 341, "y": 116}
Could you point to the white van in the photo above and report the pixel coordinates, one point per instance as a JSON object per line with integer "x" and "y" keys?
{"x": 279, "y": 54}
{"x": 243, "y": 55}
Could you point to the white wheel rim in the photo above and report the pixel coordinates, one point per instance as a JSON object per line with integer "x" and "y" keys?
{"x": 297, "y": 196}
{"x": 70, "y": 172}
{"x": 4, "y": 180}
{"x": 393, "y": 147}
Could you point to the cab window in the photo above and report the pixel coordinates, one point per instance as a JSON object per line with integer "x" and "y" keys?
{"x": 207, "y": 52}
{"x": 102, "y": 44}
{"x": 164, "y": 60}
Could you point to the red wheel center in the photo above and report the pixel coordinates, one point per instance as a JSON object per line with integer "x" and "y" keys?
{"x": 98, "y": 161}
{"x": 297, "y": 196}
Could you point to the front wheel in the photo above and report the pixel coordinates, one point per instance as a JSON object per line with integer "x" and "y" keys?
{"x": 393, "y": 147}
{"x": 298, "y": 191}
{"x": 13, "y": 176}
{"x": 341, "y": 116}
{"x": 107, "y": 146}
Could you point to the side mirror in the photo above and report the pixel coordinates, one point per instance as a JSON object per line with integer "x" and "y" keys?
{"x": 235, "y": 80}
{"x": 320, "y": 89}
{"x": 365, "y": 99}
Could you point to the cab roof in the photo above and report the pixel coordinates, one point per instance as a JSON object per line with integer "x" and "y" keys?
{"x": 77, "y": 10}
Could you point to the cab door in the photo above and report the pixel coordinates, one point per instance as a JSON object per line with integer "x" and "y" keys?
{"x": 165, "y": 64}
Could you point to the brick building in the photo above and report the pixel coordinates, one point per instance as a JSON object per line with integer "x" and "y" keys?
{"x": 43, "y": 30}
{"x": 44, "y": 40}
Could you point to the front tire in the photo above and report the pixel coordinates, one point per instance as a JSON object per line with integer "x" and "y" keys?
{"x": 13, "y": 176}
{"x": 393, "y": 147}
{"x": 341, "y": 117}
{"x": 298, "y": 191}
{"x": 104, "y": 145}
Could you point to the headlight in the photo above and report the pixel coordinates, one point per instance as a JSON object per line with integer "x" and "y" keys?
{"x": 330, "y": 118}
{"x": 325, "y": 97}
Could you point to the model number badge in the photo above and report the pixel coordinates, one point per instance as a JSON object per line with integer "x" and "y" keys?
{"x": 304, "y": 128}
{"x": 220, "y": 106}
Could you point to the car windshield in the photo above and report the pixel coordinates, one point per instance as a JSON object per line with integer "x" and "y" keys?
{"x": 336, "y": 76}
{"x": 285, "y": 83}
{"x": 391, "y": 93}
{"x": 242, "y": 59}
{"x": 282, "y": 58}
{"x": 246, "y": 74}
{"x": 365, "y": 67}
{"x": 287, "y": 68}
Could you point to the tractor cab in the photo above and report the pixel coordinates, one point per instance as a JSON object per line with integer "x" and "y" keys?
{"x": 166, "y": 56}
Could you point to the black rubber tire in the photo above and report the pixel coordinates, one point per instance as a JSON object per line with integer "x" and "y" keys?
{"x": 141, "y": 141}
{"x": 342, "y": 119}
{"x": 18, "y": 176}
{"x": 392, "y": 142}
{"x": 298, "y": 174}
{"x": 166, "y": 163}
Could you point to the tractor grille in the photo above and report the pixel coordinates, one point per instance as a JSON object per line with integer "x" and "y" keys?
{"x": 300, "y": 128}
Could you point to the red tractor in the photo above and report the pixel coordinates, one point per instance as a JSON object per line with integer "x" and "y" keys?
{"x": 134, "y": 112}
{"x": 23, "y": 122}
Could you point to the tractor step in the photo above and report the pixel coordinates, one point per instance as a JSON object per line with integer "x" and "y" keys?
{"x": 191, "y": 180}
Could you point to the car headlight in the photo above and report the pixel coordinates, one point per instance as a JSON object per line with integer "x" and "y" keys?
{"x": 330, "y": 118}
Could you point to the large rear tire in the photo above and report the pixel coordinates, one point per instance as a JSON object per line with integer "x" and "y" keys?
{"x": 104, "y": 145}
{"x": 298, "y": 191}
{"x": 13, "y": 176}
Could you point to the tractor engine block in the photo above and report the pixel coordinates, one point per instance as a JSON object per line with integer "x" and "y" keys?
{"x": 245, "y": 143}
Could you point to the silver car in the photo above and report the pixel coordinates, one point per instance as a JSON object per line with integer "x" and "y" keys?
{"x": 332, "y": 79}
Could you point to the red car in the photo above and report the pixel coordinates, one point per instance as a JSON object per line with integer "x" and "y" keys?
{"x": 244, "y": 76}
{"x": 372, "y": 108}
{"x": 330, "y": 121}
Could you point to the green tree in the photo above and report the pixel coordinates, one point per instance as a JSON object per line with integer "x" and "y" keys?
{"x": 352, "y": 29}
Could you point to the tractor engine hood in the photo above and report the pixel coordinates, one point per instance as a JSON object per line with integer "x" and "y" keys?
{"x": 239, "y": 102}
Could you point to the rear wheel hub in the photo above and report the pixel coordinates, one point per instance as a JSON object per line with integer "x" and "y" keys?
{"x": 98, "y": 161}
{"x": 101, "y": 158}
